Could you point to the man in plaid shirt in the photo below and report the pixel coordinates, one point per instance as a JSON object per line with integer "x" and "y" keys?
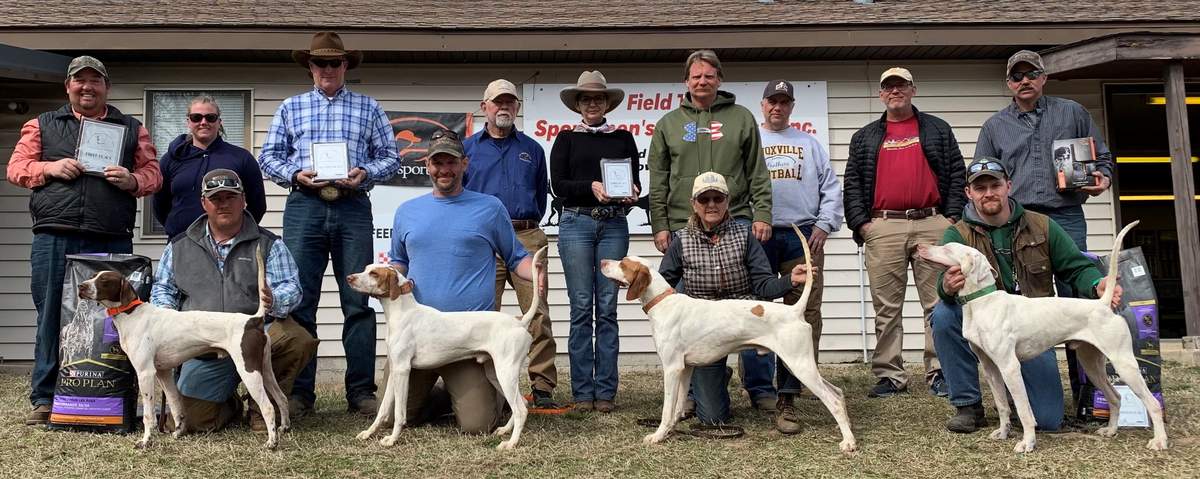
{"x": 327, "y": 217}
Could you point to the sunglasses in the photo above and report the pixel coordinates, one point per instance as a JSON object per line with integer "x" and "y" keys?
{"x": 322, "y": 63}
{"x": 222, "y": 182}
{"x": 713, "y": 199}
{"x": 986, "y": 165}
{"x": 1016, "y": 77}
{"x": 437, "y": 135}
{"x": 895, "y": 87}
{"x": 196, "y": 117}
{"x": 594, "y": 100}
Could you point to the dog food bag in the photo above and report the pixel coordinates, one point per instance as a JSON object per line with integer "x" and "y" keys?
{"x": 1139, "y": 307}
{"x": 97, "y": 386}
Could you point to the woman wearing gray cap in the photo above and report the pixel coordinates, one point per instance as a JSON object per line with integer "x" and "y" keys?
{"x": 592, "y": 227}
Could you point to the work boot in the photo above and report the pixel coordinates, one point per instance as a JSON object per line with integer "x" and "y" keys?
{"x": 786, "y": 420}
{"x": 38, "y": 416}
{"x": 367, "y": 406}
{"x": 967, "y": 419}
{"x": 298, "y": 408}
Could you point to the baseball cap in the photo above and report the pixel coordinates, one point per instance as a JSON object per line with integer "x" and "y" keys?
{"x": 500, "y": 87}
{"x": 896, "y": 72}
{"x": 986, "y": 166}
{"x": 79, "y": 63}
{"x": 1025, "y": 56}
{"x": 219, "y": 180}
{"x": 709, "y": 181}
{"x": 446, "y": 141}
{"x": 779, "y": 87}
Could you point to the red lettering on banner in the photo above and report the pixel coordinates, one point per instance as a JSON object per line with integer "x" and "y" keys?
{"x": 660, "y": 101}
{"x": 806, "y": 127}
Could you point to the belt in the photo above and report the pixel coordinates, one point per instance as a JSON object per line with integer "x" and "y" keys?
{"x": 913, "y": 214}
{"x": 522, "y": 225}
{"x": 330, "y": 193}
{"x": 599, "y": 213}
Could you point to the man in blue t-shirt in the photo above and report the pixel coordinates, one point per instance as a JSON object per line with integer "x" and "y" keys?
{"x": 447, "y": 243}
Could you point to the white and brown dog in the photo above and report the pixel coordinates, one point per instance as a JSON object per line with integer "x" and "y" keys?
{"x": 158, "y": 339}
{"x": 691, "y": 332}
{"x": 1004, "y": 329}
{"x": 421, "y": 337}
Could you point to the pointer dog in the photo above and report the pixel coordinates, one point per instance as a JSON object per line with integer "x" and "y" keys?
{"x": 421, "y": 337}
{"x": 691, "y": 332}
{"x": 158, "y": 339}
{"x": 1005, "y": 329}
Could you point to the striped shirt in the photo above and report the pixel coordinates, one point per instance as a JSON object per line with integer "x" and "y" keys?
{"x": 311, "y": 117}
{"x": 1023, "y": 143}
{"x": 282, "y": 277}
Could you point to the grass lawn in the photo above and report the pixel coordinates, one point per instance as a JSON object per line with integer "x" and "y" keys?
{"x": 898, "y": 437}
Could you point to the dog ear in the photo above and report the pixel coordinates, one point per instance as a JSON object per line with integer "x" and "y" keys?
{"x": 405, "y": 288}
{"x": 128, "y": 295}
{"x": 640, "y": 281}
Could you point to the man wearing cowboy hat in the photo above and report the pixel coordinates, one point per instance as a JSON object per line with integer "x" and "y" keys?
{"x": 511, "y": 166}
{"x": 331, "y": 217}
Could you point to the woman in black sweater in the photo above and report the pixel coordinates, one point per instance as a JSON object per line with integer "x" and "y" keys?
{"x": 592, "y": 227}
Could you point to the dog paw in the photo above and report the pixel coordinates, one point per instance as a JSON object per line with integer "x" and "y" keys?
{"x": 363, "y": 436}
{"x": 1107, "y": 431}
{"x": 177, "y": 434}
{"x": 271, "y": 444}
{"x": 999, "y": 434}
{"x": 653, "y": 438}
{"x": 387, "y": 441}
{"x": 848, "y": 446}
{"x": 1157, "y": 444}
{"x": 505, "y": 445}
{"x": 502, "y": 430}
{"x": 1025, "y": 445}
{"x": 143, "y": 444}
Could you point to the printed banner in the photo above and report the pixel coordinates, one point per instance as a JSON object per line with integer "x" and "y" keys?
{"x": 412, "y": 131}
{"x": 545, "y": 117}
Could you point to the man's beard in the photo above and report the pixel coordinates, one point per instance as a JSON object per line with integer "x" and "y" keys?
{"x": 504, "y": 121}
{"x": 991, "y": 208}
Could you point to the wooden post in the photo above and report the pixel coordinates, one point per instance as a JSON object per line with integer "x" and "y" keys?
{"x": 1184, "y": 191}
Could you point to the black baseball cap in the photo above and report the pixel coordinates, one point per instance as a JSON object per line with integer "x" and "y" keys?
{"x": 779, "y": 87}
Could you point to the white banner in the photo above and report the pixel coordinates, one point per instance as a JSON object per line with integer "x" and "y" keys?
{"x": 545, "y": 116}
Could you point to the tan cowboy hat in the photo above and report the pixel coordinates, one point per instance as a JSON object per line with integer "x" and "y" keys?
{"x": 591, "y": 82}
{"x": 327, "y": 44}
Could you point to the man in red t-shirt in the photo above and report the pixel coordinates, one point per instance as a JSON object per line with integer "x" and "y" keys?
{"x": 904, "y": 185}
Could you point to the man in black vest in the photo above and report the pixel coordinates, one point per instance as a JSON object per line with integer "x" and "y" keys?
{"x": 76, "y": 208}
{"x": 212, "y": 267}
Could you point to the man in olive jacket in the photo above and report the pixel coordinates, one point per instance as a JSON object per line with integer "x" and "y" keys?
{"x": 919, "y": 193}
{"x": 709, "y": 132}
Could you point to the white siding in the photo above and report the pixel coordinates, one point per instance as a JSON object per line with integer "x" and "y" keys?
{"x": 963, "y": 93}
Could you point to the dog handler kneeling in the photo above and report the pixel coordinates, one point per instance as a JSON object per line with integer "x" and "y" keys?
{"x": 1028, "y": 250}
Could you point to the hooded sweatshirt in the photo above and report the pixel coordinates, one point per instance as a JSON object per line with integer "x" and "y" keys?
{"x": 183, "y": 166}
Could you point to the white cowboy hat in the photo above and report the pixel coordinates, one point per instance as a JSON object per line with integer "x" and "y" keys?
{"x": 591, "y": 82}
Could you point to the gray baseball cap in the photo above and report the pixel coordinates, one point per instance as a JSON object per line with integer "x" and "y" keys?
{"x": 447, "y": 142}
{"x": 1025, "y": 56}
{"x": 82, "y": 62}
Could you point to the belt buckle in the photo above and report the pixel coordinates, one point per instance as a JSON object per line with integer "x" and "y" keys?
{"x": 330, "y": 193}
{"x": 912, "y": 213}
{"x": 600, "y": 214}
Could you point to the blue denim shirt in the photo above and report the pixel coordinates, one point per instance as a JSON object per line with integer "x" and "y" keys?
{"x": 512, "y": 169}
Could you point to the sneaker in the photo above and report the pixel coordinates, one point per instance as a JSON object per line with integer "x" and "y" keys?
{"x": 967, "y": 419}
{"x": 584, "y": 406}
{"x": 766, "y": 404}
{"x": 885, "y": 388}
{"x": 40, "y": 415}
{"x": 298, "y": 408}
{"x": 544, "y": 400}
{"x": 786, "y": 419}
{"x": 605, "y": 406}
{"x": 366, "y": 406}
{"x": 938, "y": 387}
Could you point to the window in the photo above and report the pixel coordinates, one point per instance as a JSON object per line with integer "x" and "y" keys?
{"x": 165, "y": 119}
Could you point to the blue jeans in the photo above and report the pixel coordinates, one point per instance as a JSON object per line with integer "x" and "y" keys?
{"x": 960, "y": 367}
{"x": 758, "y": 372}
{"x": 582, "y": 243}
{"x": 48, "y": 265}
{"x": 315, "y": 230}
{"x": 785, "y": 246}
{"x": 1073, "y": 222}
{"x": 710, "y": 390}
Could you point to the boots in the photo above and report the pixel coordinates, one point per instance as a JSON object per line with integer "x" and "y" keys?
{"x": 967, "y": 419}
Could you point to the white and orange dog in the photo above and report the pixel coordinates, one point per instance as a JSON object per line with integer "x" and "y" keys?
{"x": 421, "y": 337}
{"x": 157, "y": 340}
{"x": 691, "y": 332}
{"x": 1005, "y": 329}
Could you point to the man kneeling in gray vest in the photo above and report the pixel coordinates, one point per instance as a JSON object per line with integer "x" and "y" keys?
{"x": 211, "y": 267}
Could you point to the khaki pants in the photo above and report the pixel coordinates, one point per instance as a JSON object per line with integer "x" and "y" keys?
{"x": 812, "y": 312}
{"x": 891, "y": 246}
{"x": 475, "y": 402}
{"x": 292, "y": 347}
{"x": 542, "y": 373}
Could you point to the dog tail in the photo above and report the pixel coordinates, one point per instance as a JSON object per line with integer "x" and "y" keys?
{"x": 537, "y": 296}
{"x": 1113, "y": 259}
{"x": 262, "y": 281}
{"x": 803, "y": 302}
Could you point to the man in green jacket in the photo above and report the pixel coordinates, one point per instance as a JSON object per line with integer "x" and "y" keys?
{"x": 709, "y": 132}
{"x": 1027, "y": 250}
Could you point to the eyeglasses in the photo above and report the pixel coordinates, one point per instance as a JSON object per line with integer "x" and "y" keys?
{"x": 895, "y": 87}
{"x": 322, "y": 63}
{"x": 1016, "y": 77}
{"x": 196, "y": 117}
{"x": 986, "y": 165}
{"x": 712, "y": 199}
{"x": 222, "y": 182}
{"x": 437, "y": 135}
{"x": 593, "y": 100}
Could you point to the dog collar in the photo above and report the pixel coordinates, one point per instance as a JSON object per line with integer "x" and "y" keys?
{"x": 126, "y": 308}
{"x": 976, "y": 295}
{"x": 654, "y": 302}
